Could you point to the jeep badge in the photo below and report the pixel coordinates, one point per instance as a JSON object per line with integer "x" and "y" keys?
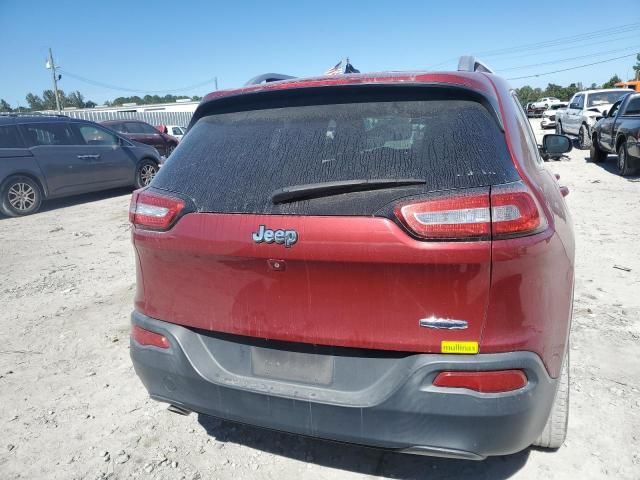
{"x": 283, "y": 237}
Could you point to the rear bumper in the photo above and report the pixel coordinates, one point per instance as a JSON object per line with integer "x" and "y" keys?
{"x": 370, "y": 398}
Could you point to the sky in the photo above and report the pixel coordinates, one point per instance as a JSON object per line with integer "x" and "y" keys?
{"x": 165, "y": 46}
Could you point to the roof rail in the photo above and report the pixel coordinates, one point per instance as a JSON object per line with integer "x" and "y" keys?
{"x": 267, "y": 77}
{"x": 469, "y": 63}
{"x": 31, "y": 114}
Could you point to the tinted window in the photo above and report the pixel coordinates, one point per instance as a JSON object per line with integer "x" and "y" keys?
{"x": 139, "y": 127}
{"x": 176, "y": 131}
{"x": 93, "y": 135}
{"x": 9, "y": 137}
{"x": 579, "y": 102}
{"x": 604, "y": 98}
{"x": 49, "y": 134}
{"x": 118, "y": 127}
{"x": 633, "y": 107}
{"x": 232, "y": 162}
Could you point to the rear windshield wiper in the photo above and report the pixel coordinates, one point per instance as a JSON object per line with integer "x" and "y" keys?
{"x": 314, "y": 190}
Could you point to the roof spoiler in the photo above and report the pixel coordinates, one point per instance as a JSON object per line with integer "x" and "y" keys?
{"x": 469, "y": 63}
{"x": 267, "y": 77}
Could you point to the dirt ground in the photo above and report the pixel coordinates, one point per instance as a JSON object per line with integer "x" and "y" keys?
{"x": 71, "y": 406}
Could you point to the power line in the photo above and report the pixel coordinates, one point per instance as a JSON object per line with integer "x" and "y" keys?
{"x": 555, "y": 42}
{"x": 564, "y": 40}
{"x": 552, "y": 62}
{"x": 572, "y": 47}
{"x": 136, "y": 90}
{"x": 572, "y": 68}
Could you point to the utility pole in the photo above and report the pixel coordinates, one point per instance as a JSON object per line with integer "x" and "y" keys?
{"x": 54, "y": 75}
{"x": 216, "y": 81}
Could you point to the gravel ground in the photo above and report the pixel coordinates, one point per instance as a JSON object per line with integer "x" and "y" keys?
{"x": 72, "y": 407}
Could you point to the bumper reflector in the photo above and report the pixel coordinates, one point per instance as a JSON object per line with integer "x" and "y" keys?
{"x": 147, "y": 337}
{"x": 484, "y": 382}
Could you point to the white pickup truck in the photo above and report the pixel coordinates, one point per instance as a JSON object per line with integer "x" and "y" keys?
{"x": 584, "y": 110}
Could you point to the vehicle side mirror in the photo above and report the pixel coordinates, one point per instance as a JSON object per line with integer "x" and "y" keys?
{"x": 553, "y": 144}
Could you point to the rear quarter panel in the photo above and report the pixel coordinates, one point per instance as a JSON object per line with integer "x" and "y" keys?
{"x": 531, "y": 297}
{"x": 20, "y": 161}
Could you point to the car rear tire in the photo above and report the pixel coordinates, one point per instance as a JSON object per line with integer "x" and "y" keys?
{"x": 624, "y": 168}
{"x": 20, "y": 196}
{"x": 596, "y": 154}
{"x": 555, "y": 430}
{"x": 584, "y": 141}
{"x": 145, "y": 172}
{"x": 559, "y": 129}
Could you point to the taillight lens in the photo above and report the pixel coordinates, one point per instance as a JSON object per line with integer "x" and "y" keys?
{"x": 147, "y": 337}
{"x": 515, "y": 211}
{"x": 509, "y": 211}
{"x": 452, "y": 217}
{"x": 483, "y": 382}
{"x": 152, "y": 211}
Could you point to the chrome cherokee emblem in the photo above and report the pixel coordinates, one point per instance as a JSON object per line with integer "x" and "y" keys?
{"x": 282, "y": 237}
{"x": 443, "y": 323}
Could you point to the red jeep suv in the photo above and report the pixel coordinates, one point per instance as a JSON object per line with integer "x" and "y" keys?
{"x": 380, "y": 259}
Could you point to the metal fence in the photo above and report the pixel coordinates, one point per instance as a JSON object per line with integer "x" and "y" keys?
{"x": 154, "y": 118}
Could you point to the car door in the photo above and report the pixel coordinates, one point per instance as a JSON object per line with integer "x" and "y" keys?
{"x": 112, "y": 164}
{"x": 148, "y": 135}
{"x": 61, "y": 156}
{"x": 574, "y": 114}
{"x": 606, "y": 127}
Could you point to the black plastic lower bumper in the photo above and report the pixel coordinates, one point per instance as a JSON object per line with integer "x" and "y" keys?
{"x": 372, "y": 398}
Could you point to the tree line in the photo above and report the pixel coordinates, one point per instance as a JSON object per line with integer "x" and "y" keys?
{"x": 47, "y": 101}
{"x": 528, "y": 94}
{"x": 75, "y": 99}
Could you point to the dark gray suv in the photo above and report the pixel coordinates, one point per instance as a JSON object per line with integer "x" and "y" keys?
{"x": 43, "y": 157}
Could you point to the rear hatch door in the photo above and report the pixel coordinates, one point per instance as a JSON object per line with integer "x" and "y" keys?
{"x": 326, "y": 267}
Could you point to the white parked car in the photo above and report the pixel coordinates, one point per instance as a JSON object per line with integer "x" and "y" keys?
{"x": 584, "y": 110}
{"x": 549, "y": 115}
{"x": 545, "y": 102}
{"x": 174, "y": 130}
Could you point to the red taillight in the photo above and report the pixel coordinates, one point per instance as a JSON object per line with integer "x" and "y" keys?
{"x": 147, "y": 337}
{"x": 515, "y": 212}
{"x": 483, "y": 382}
{"x": 509, "y": 211}
{"x": 153, "y": 211}
{"x": 450, "y": 217}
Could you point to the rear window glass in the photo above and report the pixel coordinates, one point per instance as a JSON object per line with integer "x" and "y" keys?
{"x": 232, "y": 162}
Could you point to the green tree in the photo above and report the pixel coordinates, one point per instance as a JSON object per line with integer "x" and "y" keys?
{"x": 571, "y": 90}
{"x": 612, "y": 81}
{"x": 34, "y": 101}
{"x": 636, "y": 67}
{"x": 196, "y": 98}
{"x": 528, "y": 94}
{"x": 554, "y": 90}
{"x": 4, "y": 106}
{"x": 75, "y": 99}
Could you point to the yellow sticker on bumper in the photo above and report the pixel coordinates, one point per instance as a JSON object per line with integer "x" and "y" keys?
{"x": 465, "y": 348}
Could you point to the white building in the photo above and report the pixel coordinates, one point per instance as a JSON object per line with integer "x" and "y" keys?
{"x": 176, "y": 113}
